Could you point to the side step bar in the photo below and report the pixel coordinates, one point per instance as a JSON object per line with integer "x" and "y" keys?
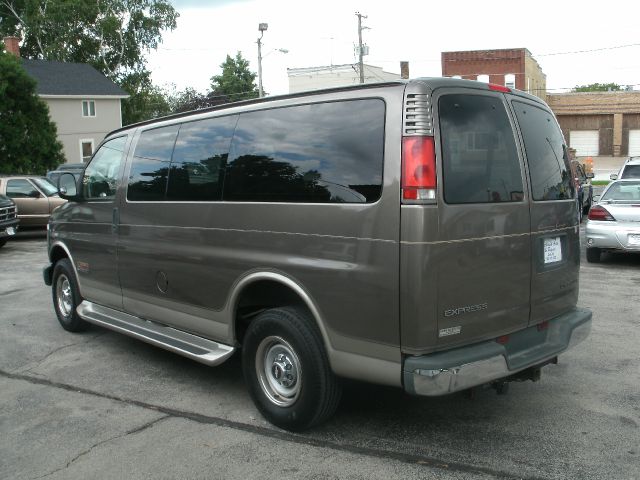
{"x": 197, "y": 348}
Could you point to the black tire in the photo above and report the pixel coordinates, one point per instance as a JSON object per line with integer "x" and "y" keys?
{"x": 66, "y": 296}
{"x": 587, "y": 207}
{"x": 593, "y": 255}
{"x": 284, "y": 342}
{"x": 3, "y": 241}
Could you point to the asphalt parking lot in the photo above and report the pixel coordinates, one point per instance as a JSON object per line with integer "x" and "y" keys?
{"x": 102, "y": 405}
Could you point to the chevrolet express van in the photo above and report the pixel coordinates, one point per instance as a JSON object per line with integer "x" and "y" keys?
{"x": 421, "y": 234}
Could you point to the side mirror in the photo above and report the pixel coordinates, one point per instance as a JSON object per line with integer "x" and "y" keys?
{"x": 596, "y": 198}
{"x": 590, "y": 175}
{"x": 68, "y": 187}
{"x": 613, "y": 176}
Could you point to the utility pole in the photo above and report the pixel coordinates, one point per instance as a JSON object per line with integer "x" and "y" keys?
{"x": 261, "y": 28}
{"x": 360, "y": 17}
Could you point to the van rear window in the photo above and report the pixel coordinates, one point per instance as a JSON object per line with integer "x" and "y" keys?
{"x": 479, "y": 154}
{"x": 546, "y": 153}
{"x": 317, "y": 153}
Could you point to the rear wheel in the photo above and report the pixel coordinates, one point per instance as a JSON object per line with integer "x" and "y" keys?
{"x": 593, "y": 255}
{"x": 287, "y": 370}
{"x": 66, "y": 296}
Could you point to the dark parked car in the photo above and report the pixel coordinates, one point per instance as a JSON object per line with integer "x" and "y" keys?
{"x": 8, "y": 219}
{"x": 584, "y": 189}
{"x": 74, "y": 168}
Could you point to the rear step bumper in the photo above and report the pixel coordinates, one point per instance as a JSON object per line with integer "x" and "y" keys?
{"x": 454, "y": 370}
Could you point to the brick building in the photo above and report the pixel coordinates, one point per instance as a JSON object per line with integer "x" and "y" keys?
{"x": 599, "y": 123}
{"x": 512, "y": 67}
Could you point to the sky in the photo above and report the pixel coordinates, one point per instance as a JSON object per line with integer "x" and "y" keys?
{"x": 575, "y": 42}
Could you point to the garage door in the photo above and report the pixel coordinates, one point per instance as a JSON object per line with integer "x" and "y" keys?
{"x": 584, "y": 141}
{"x": 634, "y": 143}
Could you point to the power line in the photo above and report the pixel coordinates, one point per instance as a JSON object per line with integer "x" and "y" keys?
{"x": 587, "y": 51}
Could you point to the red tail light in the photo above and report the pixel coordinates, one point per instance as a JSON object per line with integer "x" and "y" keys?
{"x": 418, "y": 168}
{"x": 499, "y": 88}
{"x": 600, "y": 213}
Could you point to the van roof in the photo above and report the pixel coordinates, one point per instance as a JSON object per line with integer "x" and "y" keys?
{"x": 432, "y": 82}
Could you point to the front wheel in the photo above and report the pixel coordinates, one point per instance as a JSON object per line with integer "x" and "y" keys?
{"x": 287, "y": 370}
{"x": 66, "y": 296}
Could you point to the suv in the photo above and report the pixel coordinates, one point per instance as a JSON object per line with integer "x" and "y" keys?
{"x": 630, "y": 169}
{"x": 419, "y": 234}
{"x": 584, "y": 189}
{"x": 8, "y": 219}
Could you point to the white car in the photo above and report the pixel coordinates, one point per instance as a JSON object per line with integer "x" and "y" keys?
{"x": 614, "y": 222}
{"x": 630, "y": 169}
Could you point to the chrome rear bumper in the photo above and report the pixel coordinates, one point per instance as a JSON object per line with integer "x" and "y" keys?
{"x": 451, "y": 371}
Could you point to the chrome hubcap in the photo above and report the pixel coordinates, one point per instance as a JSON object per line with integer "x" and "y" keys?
{"x": 278, "y": 369}
{"x": 64, "y": 295}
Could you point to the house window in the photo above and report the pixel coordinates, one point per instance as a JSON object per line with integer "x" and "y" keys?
{"x": 88, "y": 108}
{"x": 510, "y": 80}
{"x": 86, "y": 149}
{"x": 483, "y": 78}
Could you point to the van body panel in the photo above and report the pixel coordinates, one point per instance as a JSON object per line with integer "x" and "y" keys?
{"x": 87, "y": 233}
{"x": 181, "y": 243}
{"x": 555, "y": 286}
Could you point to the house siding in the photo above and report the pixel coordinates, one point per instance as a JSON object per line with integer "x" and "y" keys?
{"x": 73, "y": 127}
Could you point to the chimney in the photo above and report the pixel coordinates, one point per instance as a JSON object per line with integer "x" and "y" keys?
{"x": 12, "y": 45}
{"x": 404, "y": 70}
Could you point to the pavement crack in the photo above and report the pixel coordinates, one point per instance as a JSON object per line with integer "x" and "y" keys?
{"x": 300, "y": 439}
{"x": 102, "y": 442}
{"x": 54, "y": 351}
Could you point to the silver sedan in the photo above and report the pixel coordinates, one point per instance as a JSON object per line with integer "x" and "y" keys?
{"x": 614, "y": 222}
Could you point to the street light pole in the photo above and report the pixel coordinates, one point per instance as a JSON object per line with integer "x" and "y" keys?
{"x": 262, "y": 27}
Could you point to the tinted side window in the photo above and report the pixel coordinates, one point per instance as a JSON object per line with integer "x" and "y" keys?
{"x": 150, "y": 166}
{"x": 479, "y": 154}
{"x": 320, "y": 153}
{"x": 21, "y": 189}
{"x": 199, "y": 158}
{"x": 546, "y": 153}
{"x": 102, "y": 176}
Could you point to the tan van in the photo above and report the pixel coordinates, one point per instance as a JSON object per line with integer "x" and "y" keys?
{"x": 419, "y": 234}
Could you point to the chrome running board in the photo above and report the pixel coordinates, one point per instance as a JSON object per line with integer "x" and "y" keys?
{"x": 197, "y": 348}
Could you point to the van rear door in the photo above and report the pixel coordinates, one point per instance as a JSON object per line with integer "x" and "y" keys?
{"x": 484, "y": 249}
{"x": 555, "y": 244}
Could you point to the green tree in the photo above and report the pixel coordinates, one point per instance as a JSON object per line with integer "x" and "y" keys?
{"x": 146, "y": 101}
{"x": 111, "y": 35}
{"x": 598, "y": 87}
{"x": 236, "y": 82}
{"x": 28, "y": 138}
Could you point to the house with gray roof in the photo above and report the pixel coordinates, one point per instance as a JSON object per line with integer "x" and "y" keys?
{"x": 83, "y": 103}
